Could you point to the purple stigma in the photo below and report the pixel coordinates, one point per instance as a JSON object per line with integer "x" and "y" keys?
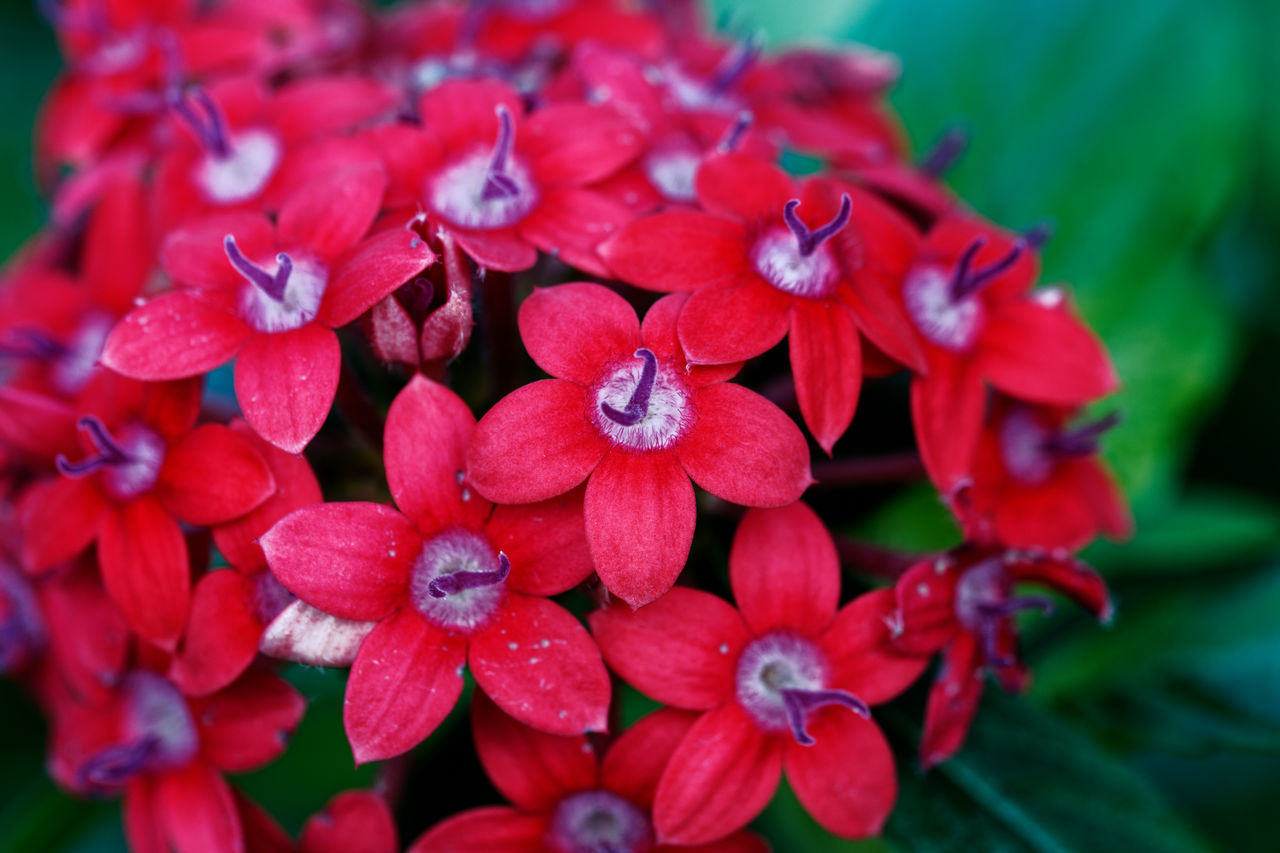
{"x": 638, "y": 406}
{"x": 735, "y": 64}
{"x": 109, "y": 452}
{"x": 272, "y": 285}
{"x": 30, "y": 343}
{"x": 1037, "y": 235}
{"x": 808, "y": 241}
{"x": 733, "y": 135}
{"x": 1018, "y": 603}
{"x": 967, "y": 281}
{"x": 799, "y": 703}
{"x": 210, "y": 128}
{"x": 115, "y": 765}
{"x": 1082, "y": 440}
{"x": 497, "y": 183}
{"x": 455, "y": 582}
{"x": 992, "y": 614}
{"x": 945, "y": 152}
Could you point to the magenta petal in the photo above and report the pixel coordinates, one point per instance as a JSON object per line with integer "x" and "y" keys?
{"x": 546, "y": 543}
{"x": 574, "y": 331}
{"x": 677, "y": 250}
{"x": 495, "y": 829}
{"x": 348, "y": 559}
{"x": 330, "y": 215}
{"x": 174, "y": 336}
{"x": 536, "y": 443}
{"x": 826, "y": 360}
{"x": 371, "y": 272}
{"x": 212, "y": 475}
{"x": 570, "y": 223}
{"x": 286, "y": 383}
{"x": 222, "y": 634}
{"x": 846, "y": 779}
{"x": 784, "y": 569}
{"x": 146, "y": 570}
{"x": 540, "y": 665}
{"x": 406, "y": 679}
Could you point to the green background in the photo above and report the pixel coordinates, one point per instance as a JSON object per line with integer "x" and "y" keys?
{"x": 1146, "y": 132}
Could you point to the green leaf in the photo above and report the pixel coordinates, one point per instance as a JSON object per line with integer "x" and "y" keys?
{"x": 1026, "y": 781}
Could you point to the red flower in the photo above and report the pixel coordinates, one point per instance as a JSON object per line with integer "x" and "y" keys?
{"x": 351, "y": 822}
{"x": 566, "y": 798}
{"x": 963, "y": 604}
{"x": 453, "y": 580}
{"x": 777, "y": 684}
{"x": 147, "y": 467}
{"x": 1040, "y": 484}
{"x": 505, "y": 184}
{"x": 758, "y": 271}
{"x": 271, "y": 295}
{"x": 627, "y": 415}
{"x": 966, "y": 295}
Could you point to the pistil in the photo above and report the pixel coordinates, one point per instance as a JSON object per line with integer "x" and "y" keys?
{"x": 459, "y": 581}
{"x": 638, "y": 406}
{"x": 201, "y": 114}
{"x": 1082, "y": 440}
{"x": 808, "y": 241}
{"x": 966, "y": 281}
{"x": 110, "y": 453}
{"x": 273, "y": 285}
{"x": 800, "y": 703}
{"x": 498, "y": 184}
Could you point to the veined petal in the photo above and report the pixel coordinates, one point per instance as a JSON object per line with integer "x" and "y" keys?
{"x": 784, "y": 569}
{"x": 146, "y": 570}
{"x": 371, "y": 272}
{"x": 846, "y": 779}
{"x": 286, "y": 382}
{"x": 733, "y": 321}
{"x": 330, "y": 215}
{"x": 576, "y": 144}
{"x": 174, "y": 336}
{"x": 744, "y": 187}
{"x": 247, "y": 724}
{"x": 635, "y": 761}
{"x": 546, "y": 543}
{"x": 304, "y": 634}
{"x": 678, "y": 250}
{"x": 570, "y": 223}
{"x": 826, "y": 360}
{"x": 212, "y": 475}
{"x": 859, "y": 648}
{"x": 574, "y": 331}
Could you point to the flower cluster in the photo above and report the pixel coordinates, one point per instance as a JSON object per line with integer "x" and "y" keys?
{"x": 279, "y": 195}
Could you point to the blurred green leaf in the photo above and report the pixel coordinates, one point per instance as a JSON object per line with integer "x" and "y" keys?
{"x": 1025, "y": 781}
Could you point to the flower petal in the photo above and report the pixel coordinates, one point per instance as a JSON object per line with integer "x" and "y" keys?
{"x": 946, "y": 410}
{"x": 926, "y": 614}
{"x": 640, "y": 515}
{"x": 348, "y": 559}
{"x": 59, "y": 518}
{"x": 784, "y": 569}
{"x": 744, "y": 449}
{"x": 246, "y": 725}
{"x": 573, "y": 143}
{"x": 428, "y": 430}
{"x": 721, "y": 776}
{"x": 1071, "y": 578}
{"x": 546, "y": 543}
{"x": 494, "y": 829}
{"x": 531, "y": 769}
{"x": 680, "y": 650}
{"x": 538, "y": 663}
{"x": 678, "y": 250}
{"x": 371, "y": 272}
{"x": 405, "y": 681}
{"x": 194, "y": 255}
{"x": 536, "y": 443}
{"x": 351, "y": 822}
{"x": 286, "y": 382}
{"x": 860, "y": 650}
{"x": 145, "y": 569}
{"x": 744, "y": 187}
{"x": 953, "y": 700}
{"x": 846, "y": 779}
{"x": 826, "y": 360}
{"x": 195, "y": 806}
{"x": 574, "y": 331}
{"x": 174, "y": 336}
{"x": 742, "y": 319}
{"x": 502, "y": 249}
{"x": 635, "y": 761}
{"x": 304, "y": 634}
{"x": 570, "y": 223}
{"x": 222, "y": 634}
{"x": 212, "y": 475}
{"x": 330, "y": 215}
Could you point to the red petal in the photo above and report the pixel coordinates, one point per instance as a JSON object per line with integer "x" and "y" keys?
{"x": 1045, "y": 354}
{"x": 197, "y": 810}
{"x": 426, "y": 485}
{"x": 142, "y": 819}
{"x": 846, "y": 780}
{"x": 680, "y": 650}
{"x": 91, "y": 641}
{"x": 538, "y": 663}
{"x": 744, "y": 187}
{"x": 461, "y": 113}
{"x": 348, "y": 559}
{"x": 536, "y": 443}
{"x": 1070, "y": 577}
{"x": 261, "y": 832}
{"x": 926, "y": 618}
{"x": 328, "y": 105}
{"x": 286, "y": 382}
{"x": 171, "y": 408}
{"x": 406, "y": 679}
{"x": 35, "y": 424}
{"x": 733, "y": 322}
{"x": 859, "y": 648}
{"x": 678, "y": 250}
{"x": 330, "y": 215}
{"x": 721, "y": 775}
{"x": 503, "y": 250}
{"x": 578, "y": 144}
{"x": 570, "y": 223}
{"x": 658, "y": 333}
{"x": 546, "y": 543}
{"x": 144, "y": 566}
{"x": 531, "y": 769}
{"x": 377, "y": 267}
{"x": 946, "y": 409}
{"x": 304, "y": 634}
{"x": 222, "y": 634}
{"x": 246, "y": 725}
{"x": 351, "y": 822}
{"x": 194, "y": 254}
{"x": 174, "y": 336}
{"x": 59, "y": 518}
{"x": 212, "y": 475}
{"x": 635, "y": 761}
{"x": 495, "y": 829}
{"x": 117, "y": 255}
{"x": 953, "y": 700}
{"x": 784, "y": 569}
{"x": 574, "y": 331}
{"x": 744, "y": 449}
{"x": 826, "y": 360}
{"x": 640, "y": 516}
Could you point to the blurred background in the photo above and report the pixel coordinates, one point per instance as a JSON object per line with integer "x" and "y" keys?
{"x": 1147, "y": 133}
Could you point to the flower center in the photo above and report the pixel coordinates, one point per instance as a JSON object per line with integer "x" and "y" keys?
{"x": 283, "y": 295}
{"x": 1030, "y": 450}
{"x": 598, "y": 822}
{"x": 486, "y": 191}
{"x": 781, "y": 679}
{"x": 247, "y": 161}
{"x": 130, "y": 463}
{"x": 672, "y": 169}
{"x": 157, "y": 733}
{"x": 457, "y": 582}
{"x": 985, "y": 602}
{"x": 642, "y": 406}
{"x": 713, "y": 94}
{"x": 796, "y": 261}
{"x": 941, "y": 303}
